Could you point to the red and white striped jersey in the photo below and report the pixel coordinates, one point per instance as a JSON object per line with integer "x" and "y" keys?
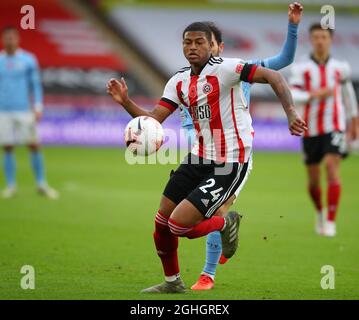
{"x": 325, "y": 115}
{"x": 218, "y": 108}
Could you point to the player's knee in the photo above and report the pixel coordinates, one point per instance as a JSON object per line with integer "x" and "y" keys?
{"x": 314, "y": 184}
{"x": 178, "y": 229}
{"x": 166, "y": 206}
{"x": 333, "y": 178}
{"x": 165, "y": 211}
{"x": 222, "y": 210}
{"x": 314, "y": 180}
{"x": 332, "y": 173}
{"x": 34, "y": 147}
{"x": 8, "y": 148}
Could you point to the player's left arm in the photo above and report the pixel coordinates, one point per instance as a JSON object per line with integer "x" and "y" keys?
{"x": 350, "y": 103}
{"x": 251, "y": 73}
{"x": 287, "y": 54}
{"x": 36, "y": 87}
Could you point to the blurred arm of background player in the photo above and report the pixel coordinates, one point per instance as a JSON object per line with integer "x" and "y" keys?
{"x": 296, "y": 124}
{"x": 287, "y": 54}
{"x": 35, "y": 83}
{"x": 119, "y": 92}
{"x": 351, "y": 107}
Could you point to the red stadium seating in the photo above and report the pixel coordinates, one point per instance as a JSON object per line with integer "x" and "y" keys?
{"x": 60, "y": 38}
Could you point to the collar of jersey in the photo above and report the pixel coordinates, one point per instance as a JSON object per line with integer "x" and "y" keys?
{"x": 17, "y": 51}
{"x": 316, "y": 61}
{"x": 192, "y": 74}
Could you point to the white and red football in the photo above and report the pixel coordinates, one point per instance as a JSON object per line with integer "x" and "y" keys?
{"x": 143, "y": 135}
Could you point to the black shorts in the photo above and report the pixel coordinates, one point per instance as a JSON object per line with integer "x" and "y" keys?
{"x": 315, "y": 148}
{"x": 206, "y": 184}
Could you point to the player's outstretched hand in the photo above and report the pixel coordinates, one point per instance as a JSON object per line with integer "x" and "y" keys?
{"x": 353, "y": 129}
{"x": 295, "y": 12}
{"x": 321, "y": 93}
{"x": 296, "y": 124}
{"x": 118, "y": 90}
{"x": 38, "y": 116}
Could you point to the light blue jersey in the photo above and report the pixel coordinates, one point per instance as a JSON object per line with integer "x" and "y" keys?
{"x": 20, "y": 85}
{"x": 283, "y": 59}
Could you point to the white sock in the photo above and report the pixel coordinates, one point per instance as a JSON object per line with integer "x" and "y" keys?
{"x": 225, "y": 224}
{"x": 172, "y": 278}
{"x": 209, "y": 275}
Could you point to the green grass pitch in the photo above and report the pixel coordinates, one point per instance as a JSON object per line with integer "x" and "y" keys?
{"x": 96, "y": 241}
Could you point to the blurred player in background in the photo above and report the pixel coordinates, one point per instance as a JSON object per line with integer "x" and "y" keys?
{"x": 212, "y": 88}
{"x": 323, "y": 84}
{"x": 282, "y": 60}
{"x": 20, "y": 110}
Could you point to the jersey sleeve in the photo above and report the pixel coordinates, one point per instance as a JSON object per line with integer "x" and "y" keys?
{"x": 349, "y": 97}
{"x": 296, "y": 83}
{"x": 345, "y": 72}
{"x": 296, "y": 79}
{"x": 35, "y": 83}
{"x": 236, "y": 70}
{"x": 286, "y": 55}
{"x": 170, "y": 98}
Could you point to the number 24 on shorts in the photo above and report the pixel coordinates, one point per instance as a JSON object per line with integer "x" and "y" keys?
{"x": 214, "y": 193}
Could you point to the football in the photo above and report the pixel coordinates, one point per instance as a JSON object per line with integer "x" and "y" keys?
{"x": 143, "y": 135}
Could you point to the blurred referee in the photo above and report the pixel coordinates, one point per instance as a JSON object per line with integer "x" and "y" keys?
{"x": 20, "y": 110}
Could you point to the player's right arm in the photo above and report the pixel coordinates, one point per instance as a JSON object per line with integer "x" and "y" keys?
{"x": 254, "y": 74}
{"x": 350, "y": 102}
{"x": 118, "y": 90}
{"x": 36, "y": 87}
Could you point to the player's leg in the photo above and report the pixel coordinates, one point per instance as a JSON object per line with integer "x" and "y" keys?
{"x": 313, "y": 154}
{"x": 315, "y": 193}
{"x": 214, "y": 244}
{"x": 27, "y": 134}
{"x": 166, "y": 245}
{"x": 38, "y": 168}
{"x": 314, "y": 188}
{"x": 217, "y": 186}
{"x": 9, "y": 165}
{"x": 181, "y": 182}
{"x": 213, "y": 253}
{"x": 7, "y": 141}
{"x": 37, "y": 164}
{"x": 332, "y": 166}
{"x": 187, "y": 221}
{"x": 334, "y": 149}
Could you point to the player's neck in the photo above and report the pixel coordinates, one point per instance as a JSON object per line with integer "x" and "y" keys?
{"x": 10, "y": 51}
{"x": 321, "y": 57}
{"x": 197, "y": 68}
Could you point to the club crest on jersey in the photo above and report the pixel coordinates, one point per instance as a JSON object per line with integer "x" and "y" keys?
{"x": 207, "y": 88}
{"x": 239, "y": 68}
